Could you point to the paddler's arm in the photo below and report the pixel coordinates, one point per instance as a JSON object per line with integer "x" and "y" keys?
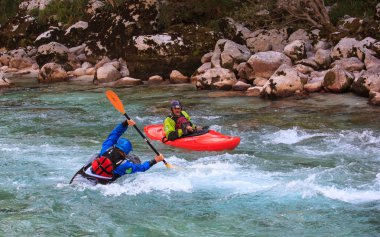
{"x": 130, "y": 168}
{"x": 115, "y": 135}
{"x": 187, "y": 116}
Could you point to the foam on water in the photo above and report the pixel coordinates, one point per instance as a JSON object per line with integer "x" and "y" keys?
{"x": 226, "y": 178}
{"x": 290, "y": 136}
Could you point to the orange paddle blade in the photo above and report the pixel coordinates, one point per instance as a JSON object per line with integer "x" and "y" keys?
{"x": 115, "y": 101}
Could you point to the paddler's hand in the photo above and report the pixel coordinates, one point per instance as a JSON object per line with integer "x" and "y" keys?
{"x": 159, "y": 158}
{"x": 190, "y": 129}
{"x": 129, "y": 122}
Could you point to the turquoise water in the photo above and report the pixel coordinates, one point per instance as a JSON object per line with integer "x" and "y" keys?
{"x": 303, "y": 168}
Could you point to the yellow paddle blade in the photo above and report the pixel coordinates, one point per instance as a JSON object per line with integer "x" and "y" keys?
{"x": 115, "y": 101}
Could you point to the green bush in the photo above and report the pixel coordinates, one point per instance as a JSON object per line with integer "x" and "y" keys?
{"x": 67, "y": 12}
{"x": 8, "y": 8}
{"x": 354, "y": 8}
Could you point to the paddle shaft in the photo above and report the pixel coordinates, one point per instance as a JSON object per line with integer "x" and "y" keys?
{"x": 143, "y": 136}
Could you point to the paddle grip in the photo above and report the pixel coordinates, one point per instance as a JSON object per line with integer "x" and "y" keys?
{"x": 143, "y": 136}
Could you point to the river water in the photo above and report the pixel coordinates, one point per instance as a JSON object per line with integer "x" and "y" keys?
{"x": 303, "y": 167}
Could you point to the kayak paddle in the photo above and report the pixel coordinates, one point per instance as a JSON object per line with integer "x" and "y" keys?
{"x": 116, "y": 102}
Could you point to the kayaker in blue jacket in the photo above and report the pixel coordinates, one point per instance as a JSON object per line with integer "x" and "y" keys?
{"x": 115, "y": 159}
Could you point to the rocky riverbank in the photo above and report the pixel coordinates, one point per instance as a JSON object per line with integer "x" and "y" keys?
{"x": 123, "y": 47}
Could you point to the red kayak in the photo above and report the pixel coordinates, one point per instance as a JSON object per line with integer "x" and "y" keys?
{"x": 210, "y": 141}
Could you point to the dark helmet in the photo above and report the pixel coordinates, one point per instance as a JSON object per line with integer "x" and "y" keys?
{"x": 175, "y": 104}
{"x": 125, "y": 145}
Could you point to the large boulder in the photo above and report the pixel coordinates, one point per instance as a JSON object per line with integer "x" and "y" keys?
{"x": 350, "y": 64}
{"x": 176, "y": 77}
{"x": 216, "y": 78}
{"x": 76, "y": 34}
{"x": 265, "y": 64}
{"x": 52, "y": 72}
{"x": 52, "y": 35}
{"x": 337, "y": 80}
{"x": 283, "y": 83}
{"x": 366, "y": 82}
{"x": 323, "y": 58}
{"x": 228, "y": 54}
{"x": 108, "y": 73}
{"x": 19, "y": 59}
{"x": 296, "y": 50}
{"x": 374, "y": 98}
{"x": 315, "y": 82}
{"x": 264, "y": 40}
{"x": 52, "y": 52}
{"x": 346, "y": 48}
{"x": 234, "y": 31}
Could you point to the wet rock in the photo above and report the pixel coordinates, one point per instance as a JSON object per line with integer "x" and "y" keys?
{"x": 4, "y": 58}
{"x": 76, "y": 34}
{"x": 283, "y": 83}
{"x": 234, "y": 31}
{"x": 350, "y": 64}
{"x": 228, "y": 53}
{"x": 127, "y": 81}
{"x": 346, "y": 48}
{"x": 374, "y": 98}
{"x": 371, "y": 62}
{"x": 177, "y": 77}
{"x": 299, "y": 34}
{"x": 245, "y": 72}
{"x": 207, "y": 57}
{"x": 259, "y": 81}
{"x": 162, "y": 45}
{"x": 216, "y": 78}
{"x": 323, "y": 58}
{"x": 254, "y": 91}
{"x": 240, "y": 86}
{"x": 107, "y": 73}
{"x": 52, "y": 72}
{"x": 4, "y": 82}
{"x": 154, "y": 80}
{"x": 52, "y": 52}
{"x": 19, "y": 59}
{"x": 315, "y": 84}
{"x": 266, "y": 63}
{"x": 54, "y": 34}
{"x": 337, "y": 80}
{"x": 366, "y": 82}
{"x": 263, "y": 40}
{"x": 296, "y": 50}
{"x": 303, "y": 69}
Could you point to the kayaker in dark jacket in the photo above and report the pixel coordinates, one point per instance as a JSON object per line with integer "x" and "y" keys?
{"x": 178, "y": 123}
{"x": 115, "y": 159}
